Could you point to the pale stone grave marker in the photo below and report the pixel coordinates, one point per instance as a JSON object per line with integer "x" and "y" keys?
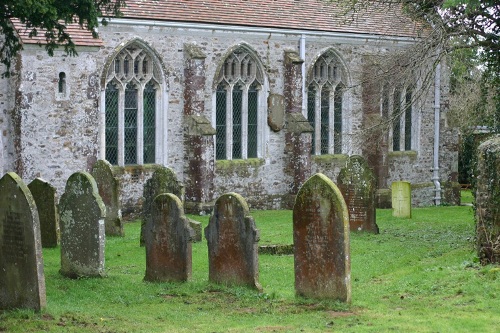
{"x": 357, "y": 184}
{"x": 232, "y": 239}
{"x": 401, "y": 199}
{"x": 168, "y": 241}
{"x": 46, "y": 202}
{"x": 162, "y": 181}
{"x": 22, "y": 280}
{"x": 109, "y": 190}
{"x": 82, "y": 228}
{"x": 321, "y": 241}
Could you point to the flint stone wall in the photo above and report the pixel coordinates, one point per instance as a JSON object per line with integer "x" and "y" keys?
{"x": 66, "y": 127}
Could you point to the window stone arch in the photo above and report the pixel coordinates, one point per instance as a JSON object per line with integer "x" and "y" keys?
{"x": 133, "y": 124}
{"x": 326, "y": 103}
{"x": 240, "y": 106}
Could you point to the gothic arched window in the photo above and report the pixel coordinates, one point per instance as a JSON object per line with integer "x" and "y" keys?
{"x": 131, "y": 105}
{"x": 237, "y": 105}
{"x": 325, "y": 89}
{"x": 401, "y": 113}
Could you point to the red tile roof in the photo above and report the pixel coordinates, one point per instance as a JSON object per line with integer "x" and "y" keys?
{"x": 79, "y": 35}
{"x": 316, "y": 15}
{"x": 313, "y": 15}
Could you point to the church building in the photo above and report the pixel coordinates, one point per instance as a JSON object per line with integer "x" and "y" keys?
{"x": 251, "y": 97}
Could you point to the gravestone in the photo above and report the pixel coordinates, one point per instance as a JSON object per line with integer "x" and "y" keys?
{"x": 232, "y": 239}
{"x": 162, "y": 181}
{"x": 321, "y": 241}
{"x": 357, "y": 184}
{"x": 82, "y": 214}
{"x": 109, "y": 190}
{"x": 22, "y": 281}
{"x": 487, "y": 189}
{"x": 401, "y": 199}
{"x": 46, "y": 202}
{"x": 168, "y": 238}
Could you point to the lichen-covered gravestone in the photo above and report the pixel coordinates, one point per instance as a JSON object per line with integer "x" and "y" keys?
{"x": 109, "y": 190}
{"x": 401, "y": 199}
{"x": 167, "y": 238}
{"x": 232, "y": 243}
{"x": 82, "y": 228}
{"x": 488, "y": 201}
{"x": 22, "y": 281}
{"x": 162, "y": 181}
{"x": 45, "y": 199}
{"x": 321, "y": 241}
{"x": 357, "y": 183}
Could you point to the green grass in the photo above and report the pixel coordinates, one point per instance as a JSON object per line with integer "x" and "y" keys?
{"x": 417, "y": 275}
{"x": 466, "y": 197}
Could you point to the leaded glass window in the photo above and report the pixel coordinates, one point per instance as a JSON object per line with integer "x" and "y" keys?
{"x": 325, "y": 104}
{"x": 237, "y": 106}
{"x": 401, "y": 116}
{"x": 408, "y": 118}
{"x": 396, "y": 121}
{"x": 131, "y": 106}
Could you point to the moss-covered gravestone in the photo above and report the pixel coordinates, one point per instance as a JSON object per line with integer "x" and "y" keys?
{"x": 82, "y": 228}
{"x": 321, "y": 241}
{"x": 232, "y": 243}
{"x": 109, "y": 190}
{"x": 163, "y": 180}
{"x": 22, "y": 281}
{"x": 357, "y": 184}
{"x": 168, "y": 238}
{"x": 46, "y": 202}
{"x": 488, "y": 202}
{"x": 401, "y": 199}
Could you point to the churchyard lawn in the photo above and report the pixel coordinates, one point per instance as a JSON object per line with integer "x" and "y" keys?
{"x": 417, "y": 275}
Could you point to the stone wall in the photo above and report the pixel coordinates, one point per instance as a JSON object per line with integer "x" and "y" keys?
{"x": 57, "y": 135}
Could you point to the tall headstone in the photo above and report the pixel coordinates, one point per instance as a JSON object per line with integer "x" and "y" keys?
{"x": 22, "y": 281}
{"x": 321, "y": 241}
{"x": 357, "y": 184}
{"x": 232, "y": 239}
{"x": 109, "y": 190}
{"x": 82, "y": 214}
{"x": 401, "y": 199}
{"x": 487, "y": 202}
{"x": 168, "y": 239}
{"x": 46, "y": 202}
{"x": 163, "y": 180}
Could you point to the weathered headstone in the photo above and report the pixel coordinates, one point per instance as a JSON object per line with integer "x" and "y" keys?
{"x": 162, "y": 181}
{"x": 232, "y": 239}
{"x": 357, "y": 184}
{"x": 488, "y": 201}
{"x": 82, "y": 214}
{"x": 168, "y": 241}
{"x": 321, "y": 241}
{"x": 109, "y": 190}
{"x": 22, "y": 281}
{"x": 401, "y": 199}
{"x": 46, "y": 202}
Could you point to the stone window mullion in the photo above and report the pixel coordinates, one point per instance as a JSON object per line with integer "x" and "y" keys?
{"x": 244, "y": 124}
{"x": 229, "y": 123}
{"x": 121, "y": 126}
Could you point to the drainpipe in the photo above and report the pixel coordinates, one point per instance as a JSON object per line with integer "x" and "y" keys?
{"x": 437, "y": 109}
{"x": 303, "y": 57}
